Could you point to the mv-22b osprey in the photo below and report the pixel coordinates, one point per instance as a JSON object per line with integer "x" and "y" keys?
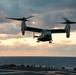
{"x": 46, "y": 34}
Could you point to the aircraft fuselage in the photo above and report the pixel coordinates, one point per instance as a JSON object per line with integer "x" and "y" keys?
{"x": 45, "y": 36}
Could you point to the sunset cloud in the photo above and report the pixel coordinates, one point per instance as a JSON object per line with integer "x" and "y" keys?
{"x": 47, "y": 15}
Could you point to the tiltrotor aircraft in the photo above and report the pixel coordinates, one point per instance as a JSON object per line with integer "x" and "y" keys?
{"x": 46, "y": 34}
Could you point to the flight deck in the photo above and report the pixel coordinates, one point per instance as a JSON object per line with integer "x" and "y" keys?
{"x": 14, "y": 69}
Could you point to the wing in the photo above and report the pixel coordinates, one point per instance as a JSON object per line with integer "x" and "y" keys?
{"x": 58, "y": 30}
{"x": 40, "y": 30}
{"x": 33, "y": 29}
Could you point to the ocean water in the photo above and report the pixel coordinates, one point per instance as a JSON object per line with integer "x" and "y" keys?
{"x": 46, "y": 61}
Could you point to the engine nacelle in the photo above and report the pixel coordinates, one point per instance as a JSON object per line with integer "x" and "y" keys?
{"x": 67, "y": 33}
{"x": 23, "y": 32}
{"x": 67, "y": 30}
{"x": 23, "y": 27}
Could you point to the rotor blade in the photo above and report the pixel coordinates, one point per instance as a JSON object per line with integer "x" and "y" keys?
{"x": 62, "y": 22}
{"x": 65, "y": 19}
{"x": 67, "y": 22}
{"x": 28, "y": 20}
{"x": 72, "y": 22}
{"x": 29, "y": 17}
{"x": 14, "y": 18}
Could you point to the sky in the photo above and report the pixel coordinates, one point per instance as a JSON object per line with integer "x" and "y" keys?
{"x": 47, "y": 15}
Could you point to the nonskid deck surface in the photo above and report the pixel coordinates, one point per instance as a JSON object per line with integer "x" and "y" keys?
{"x": 13, "y": 69}
{"x": 35, "y": 73}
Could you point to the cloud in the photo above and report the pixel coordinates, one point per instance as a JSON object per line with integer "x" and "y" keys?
{"x": 50, "y": 50}
{"x": 50, "y": 11}
{"x": 47, "y": 14}
{"x": 9, "y": 28}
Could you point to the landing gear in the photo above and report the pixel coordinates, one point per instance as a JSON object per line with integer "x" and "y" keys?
{"x": 38, "y": 41}
{"x": 50, "y": 41}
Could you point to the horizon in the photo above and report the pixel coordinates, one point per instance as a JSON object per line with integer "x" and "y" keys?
{"x": 47, "y": 14}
